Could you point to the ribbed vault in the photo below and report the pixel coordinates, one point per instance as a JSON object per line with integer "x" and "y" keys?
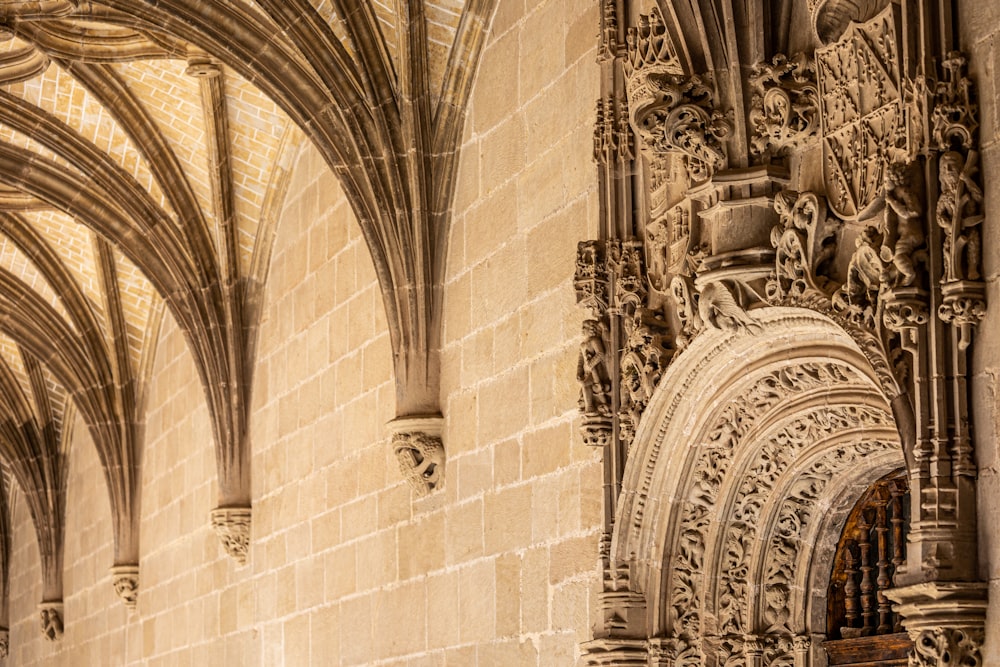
{"x": 143, "y": 154}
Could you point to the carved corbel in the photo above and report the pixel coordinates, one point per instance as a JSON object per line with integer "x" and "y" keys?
{"x": 50, "y": 615}
{"x": 232, "y": 526}
{"x": 125, "y": 579}
{"x": 784, "y": 108}
{"x": 416, "y": 442}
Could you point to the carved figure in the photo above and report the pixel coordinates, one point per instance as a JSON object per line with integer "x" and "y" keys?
{"x": 52, "y": 623}
{"x": 648, "y": 337}
{"x": 4, "y": 643}
{"x": 658, "y": 239}
{"x": 859, "y": 295}
{"x": 902, "y": 232}
{"x": 718, "y": 308}
{"x": 958, "y": 214}
{"x": 592, "y": 371}
{"x": 125, "y": 579}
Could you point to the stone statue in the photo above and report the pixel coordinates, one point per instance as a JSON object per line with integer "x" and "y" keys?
{"x": 902, "y": 230}
{"x": 958, "y": 214}
{"x": 592, "y": 371}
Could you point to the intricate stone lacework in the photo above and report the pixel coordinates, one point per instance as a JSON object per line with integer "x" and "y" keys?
{"x": 672, "y": 113}
{"x": 947, "y": 647}
{"x": 711, "y": 469}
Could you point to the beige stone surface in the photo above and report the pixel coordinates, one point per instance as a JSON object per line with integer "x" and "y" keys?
{"x": 347, "y": 566}
{"x": 344, "y": 567}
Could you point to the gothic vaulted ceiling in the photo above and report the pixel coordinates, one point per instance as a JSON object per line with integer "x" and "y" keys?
{"x": 144, "y": 148}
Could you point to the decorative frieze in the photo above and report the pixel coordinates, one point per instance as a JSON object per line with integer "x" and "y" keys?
{"x": 708, "y": 478}
{"x": 232, "y": 526}
{"x": 417, "y": 445}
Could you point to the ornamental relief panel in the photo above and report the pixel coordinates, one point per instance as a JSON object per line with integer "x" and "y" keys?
{"x": 861, "y": 104}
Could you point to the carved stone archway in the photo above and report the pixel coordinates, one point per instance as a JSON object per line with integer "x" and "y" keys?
{"x": 725, "y": 494}
{"x": 827, "y": 175}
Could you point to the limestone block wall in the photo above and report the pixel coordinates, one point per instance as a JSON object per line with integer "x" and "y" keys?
{"x": 980, "y": 36}
{"x": 345, "y": 566}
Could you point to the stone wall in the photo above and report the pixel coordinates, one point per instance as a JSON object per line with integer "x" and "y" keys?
{"x": 980, "y": 35}
{"x": 345, "y": 566}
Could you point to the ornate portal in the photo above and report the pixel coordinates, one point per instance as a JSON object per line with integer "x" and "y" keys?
{"x": 780, "y": 308}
